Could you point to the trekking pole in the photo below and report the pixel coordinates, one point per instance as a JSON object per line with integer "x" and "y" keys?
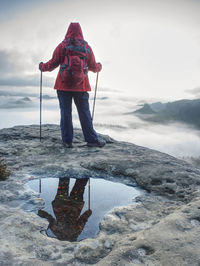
{"x": 89, "y": 194}
{"x": 40, "y": 185}
{"x": 95, "y": 95}
{"x": 40, "y": 106}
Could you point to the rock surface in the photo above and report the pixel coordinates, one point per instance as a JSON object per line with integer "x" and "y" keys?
{"x": 162, "y": 227}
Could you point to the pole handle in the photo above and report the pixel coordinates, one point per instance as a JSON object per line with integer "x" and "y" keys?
{"x": 95, "y": 95}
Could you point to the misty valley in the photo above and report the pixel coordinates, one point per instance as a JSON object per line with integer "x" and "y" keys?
{"x": 170, "y": 127}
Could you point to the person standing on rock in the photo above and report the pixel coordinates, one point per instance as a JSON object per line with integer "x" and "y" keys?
{"x": 75, "y": 58}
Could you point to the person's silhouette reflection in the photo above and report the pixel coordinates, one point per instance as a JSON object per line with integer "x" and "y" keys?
{"x": 67, "y": 208}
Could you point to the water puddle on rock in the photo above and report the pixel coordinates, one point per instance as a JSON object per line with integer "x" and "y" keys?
{"x": 75, "y": 207}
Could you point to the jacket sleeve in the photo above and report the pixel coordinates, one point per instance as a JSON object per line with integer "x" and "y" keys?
{"x": 46, "y": 215}
{"x": 91, "y": 62}
{"x": 84, "y": 218}
{"x": 55, "y": 61}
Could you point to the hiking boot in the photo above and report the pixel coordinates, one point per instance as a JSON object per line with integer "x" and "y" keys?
{"x": 67, "y": 145}
{"x": 99, "y": 143}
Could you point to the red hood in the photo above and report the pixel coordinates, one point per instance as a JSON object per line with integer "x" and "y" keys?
{"x": 74, "y": 31}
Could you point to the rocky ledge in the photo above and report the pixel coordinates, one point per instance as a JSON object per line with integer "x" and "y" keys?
{"x": 162, "y": 227}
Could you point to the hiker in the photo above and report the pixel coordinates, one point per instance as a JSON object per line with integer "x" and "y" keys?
{"x": 68, "y": 222}
{"x": 75, "y": 58}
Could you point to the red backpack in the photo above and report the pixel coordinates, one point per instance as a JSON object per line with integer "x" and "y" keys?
{"x": 74, "y": 68}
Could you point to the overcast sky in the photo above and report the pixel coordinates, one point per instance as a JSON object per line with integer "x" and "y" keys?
{"x": 147, "y": 47}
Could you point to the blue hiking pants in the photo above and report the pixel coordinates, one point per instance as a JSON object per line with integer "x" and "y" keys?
{"x": 82, "y": 105}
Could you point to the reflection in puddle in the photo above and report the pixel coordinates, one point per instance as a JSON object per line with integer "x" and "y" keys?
{"x": 74, "y": 211}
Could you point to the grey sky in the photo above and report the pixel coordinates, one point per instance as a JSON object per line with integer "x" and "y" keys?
{"x": 11, "y": 8}
{"x": 147, "y": 47}
{"x": 12, "y": 69}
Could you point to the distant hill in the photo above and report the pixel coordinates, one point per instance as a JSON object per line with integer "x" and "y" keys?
{"x": 187, "y": 111}
{"x": 21, "y": 103}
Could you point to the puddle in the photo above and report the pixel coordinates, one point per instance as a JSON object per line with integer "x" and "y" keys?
{"x": 75, "y": 207}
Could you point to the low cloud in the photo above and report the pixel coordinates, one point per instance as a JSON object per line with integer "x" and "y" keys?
{"x": 12, "y": 70}
{"x": 195, "y": 92}
{"x": 26, "y": 80}
{"x": 11, "y": 62}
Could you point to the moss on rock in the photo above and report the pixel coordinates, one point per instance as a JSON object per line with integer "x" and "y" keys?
{"x": 4, "y": 173}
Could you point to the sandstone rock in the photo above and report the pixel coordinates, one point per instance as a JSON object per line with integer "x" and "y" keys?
{"x": 162, "y": 227}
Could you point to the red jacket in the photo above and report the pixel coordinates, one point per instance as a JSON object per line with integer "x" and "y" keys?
{"x": 75, "y": 32}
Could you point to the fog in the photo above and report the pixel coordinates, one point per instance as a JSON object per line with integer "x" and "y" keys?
{"x": 113, "y": 116}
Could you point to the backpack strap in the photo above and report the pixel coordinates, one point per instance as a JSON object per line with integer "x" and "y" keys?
{"x": 64, "y": 66}
{"x": 85, "y": 67}
{"x": 84, "y": 48}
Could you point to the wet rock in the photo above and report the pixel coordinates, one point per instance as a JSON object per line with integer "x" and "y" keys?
{"x": 160, "y": 228}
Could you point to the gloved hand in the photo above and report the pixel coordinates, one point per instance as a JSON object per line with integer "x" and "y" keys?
{"x": 40, "y": 66}
{"x": 100, "y": 66}
{"x": 88, "y": 212}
